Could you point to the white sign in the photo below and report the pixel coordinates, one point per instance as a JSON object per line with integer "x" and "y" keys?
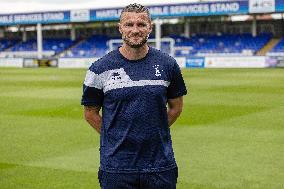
{"x": 75, "y": 62}
{"x": 111, "y": 13}
{"x": 261, "y": 6}
{"x": 235, "y": 62}
{"x": 181, "y": 61}
{"x": 80, "y": 15}
{"x": 11, "y": 62}
{"x": 25, "y": 54}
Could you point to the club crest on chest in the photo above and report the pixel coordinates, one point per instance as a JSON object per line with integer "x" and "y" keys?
{"x": 157, "y": 70}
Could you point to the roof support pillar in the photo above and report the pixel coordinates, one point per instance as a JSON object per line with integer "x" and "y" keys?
{"x": 158, "y": 32}
{"x": 24, "y": 37}
{"x": 39, "y": 41}
{"x": 187, "y": 27}
{"x": 253, "y": 27}
{"x": 73, "y": 33}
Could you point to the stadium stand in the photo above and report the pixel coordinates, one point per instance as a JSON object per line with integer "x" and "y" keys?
{"x": 203, "y": 44}
{"x": 196, "y": 45}
{"x": 5, "y": 44}
{"x": 279, "y": 47}
{"x": 95, "y": 46}
{"x": 237, "y": 31}
{"x": 57, "y": 45}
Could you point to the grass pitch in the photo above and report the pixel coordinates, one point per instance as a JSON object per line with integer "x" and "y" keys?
{"x": 229, "y": 136}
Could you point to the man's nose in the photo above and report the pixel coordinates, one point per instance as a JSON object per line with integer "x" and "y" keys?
{"x": 135, "y": 29}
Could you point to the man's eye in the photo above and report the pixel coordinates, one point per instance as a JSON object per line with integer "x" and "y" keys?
{"x": 142, "y": 25}
{"x": 128, "y": 25}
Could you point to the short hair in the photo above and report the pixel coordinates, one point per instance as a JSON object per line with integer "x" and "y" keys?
{"x": 135, "y": 7}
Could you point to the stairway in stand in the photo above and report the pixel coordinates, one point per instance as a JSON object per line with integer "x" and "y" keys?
{"x": 72, "y": 46}
{"x": 268, "y": 46}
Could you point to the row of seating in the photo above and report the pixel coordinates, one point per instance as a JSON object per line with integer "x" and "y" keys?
{"x": 225, "y": 44}
{"x": 95, "y": 46}
{"x": 56, "y": 45}
{"x": 201, "y": 44}
{"x": 5, "y": 44}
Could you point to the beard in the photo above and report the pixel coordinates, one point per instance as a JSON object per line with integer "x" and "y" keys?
{"x": 134, "y": 45}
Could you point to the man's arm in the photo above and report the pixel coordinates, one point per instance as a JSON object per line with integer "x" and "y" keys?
{"x": 174, "y": 109}
{"x": 93, "y": 117}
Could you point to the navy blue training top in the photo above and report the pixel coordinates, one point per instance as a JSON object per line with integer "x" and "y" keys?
{"x": 133, "y": 94}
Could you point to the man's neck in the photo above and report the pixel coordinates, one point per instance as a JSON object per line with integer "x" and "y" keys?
{"x": 133, "y": 53}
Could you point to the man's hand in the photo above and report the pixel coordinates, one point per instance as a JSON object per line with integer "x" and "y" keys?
{"x": 93, "y": 117}
{"x": 174, "y": 109}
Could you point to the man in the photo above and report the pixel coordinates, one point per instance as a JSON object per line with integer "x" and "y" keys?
{"x": 133, "y": 85}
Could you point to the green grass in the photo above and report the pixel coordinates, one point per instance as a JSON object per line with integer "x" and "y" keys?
{"x": 229, "y": 136}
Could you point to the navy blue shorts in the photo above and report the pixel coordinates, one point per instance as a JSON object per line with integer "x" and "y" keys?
{"x": 156, "y": 180}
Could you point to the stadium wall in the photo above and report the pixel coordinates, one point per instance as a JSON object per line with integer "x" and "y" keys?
{"x": 75, "y": 62}
{"x": 236, "y": 62}
{"x": 192, "y": 62}
{"x": 11, "y": 62}
{"x": 228, "y": 62}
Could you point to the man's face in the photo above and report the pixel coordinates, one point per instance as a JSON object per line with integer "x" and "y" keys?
{"x": 135, "y": 28}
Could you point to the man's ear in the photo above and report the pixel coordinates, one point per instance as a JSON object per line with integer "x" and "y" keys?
{"x": 119, "y": 27}
{"x": 151, "y": 27}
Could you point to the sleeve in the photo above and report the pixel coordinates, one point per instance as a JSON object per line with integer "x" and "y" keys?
{"x": 92, "y": 90}
{"x": 177, "y": 86}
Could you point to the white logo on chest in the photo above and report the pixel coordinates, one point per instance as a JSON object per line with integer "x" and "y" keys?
{"x": 115, "y": 76}
{"x": 158, "y": 73}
